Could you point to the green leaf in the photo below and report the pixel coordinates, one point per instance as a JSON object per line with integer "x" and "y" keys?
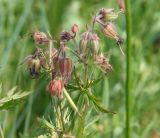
{"x": 71, "y": 102}
{"x": 102, "y": 109}
{"x": 90, "y": 95}
{"x": 12, "y": 99}
{"x": 10, "y": 93}
{"x": 45, "y": 124}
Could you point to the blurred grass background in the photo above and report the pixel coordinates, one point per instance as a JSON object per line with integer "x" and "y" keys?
{"x": 18, "y": 18}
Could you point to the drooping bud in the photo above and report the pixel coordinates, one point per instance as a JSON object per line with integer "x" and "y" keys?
{"x": 35, "y": 62}
{"x": 74, "y": 28}
{"x": 40, "y": 55}
{"x": 56, "y": 87}
{"x": 65, "y": 36}
{"x": 34, "y": 66}
{"x": 108, "y": 14}
{"x": 40, "y": 38}
{"x": 110, "y": 31}
{"x": 63, "y": 65}
{"x": 103, "y": 63}
{"x": 89, "y": 44}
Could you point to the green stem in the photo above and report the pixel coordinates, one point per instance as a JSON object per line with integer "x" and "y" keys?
{"x": 71, "y": 101}
{"x": 128, "y": 69}
{"x": 60, "y": 108}
{"x": 1, "y": 133}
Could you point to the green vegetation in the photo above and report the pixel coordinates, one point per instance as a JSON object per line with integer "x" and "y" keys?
{"x": 26, "y": 105}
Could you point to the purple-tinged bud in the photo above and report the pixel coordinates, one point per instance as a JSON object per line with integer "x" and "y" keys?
{"x": 56, "y": 87}
{"x": 64, "y": 67}
{"x": 89, "y": 44}
{"x": 108, "y": 14}
{"x": 65, "y": 36}
{"x": 40, "y": 38}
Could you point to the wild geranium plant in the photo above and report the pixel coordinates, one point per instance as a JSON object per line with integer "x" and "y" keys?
{"x": 73, "y": 70}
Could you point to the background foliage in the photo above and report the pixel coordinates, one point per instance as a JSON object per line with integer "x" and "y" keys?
{"x": 18, "y": 18}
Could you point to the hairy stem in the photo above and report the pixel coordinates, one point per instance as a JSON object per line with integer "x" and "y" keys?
{"x": 128, "y": 69}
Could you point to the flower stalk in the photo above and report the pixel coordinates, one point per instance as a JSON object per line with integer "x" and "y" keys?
{"x": 128, "y": 69}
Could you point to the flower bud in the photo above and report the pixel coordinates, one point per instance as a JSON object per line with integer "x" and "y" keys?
{"x": 65, "y": 36}
{"x": 103, "y": 63}
{"x": 110, "y": 31}
{"x": 64, "y": 67}
{"x": 40, "y": 38}
{"x": 74, "y": 28}
{"x": 34, "y": 66}
{"x": 56, "y": 87}
{"x": 89, "y": 44}
{"x": 108, "y": 14}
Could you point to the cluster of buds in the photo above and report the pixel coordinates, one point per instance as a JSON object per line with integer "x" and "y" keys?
{"x": 56, "y": 62}
{"x": 89, "y": 44}
{"x": 105, "y": 18}
{"x": 67, "y": 36}
{"x": 62, "y": 65}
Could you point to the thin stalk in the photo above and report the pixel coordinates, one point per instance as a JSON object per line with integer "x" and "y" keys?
{"x": 60, "y": 108}
{"x": 50, "y": 45}
{"x": 86, "y": 74}
{"x": 71, "y": 102}
{"x": 128, "y": 69}
{"x": 55, "y": 107}
{"x": 50, "y": 52}
{"x": 1, "y": 133}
